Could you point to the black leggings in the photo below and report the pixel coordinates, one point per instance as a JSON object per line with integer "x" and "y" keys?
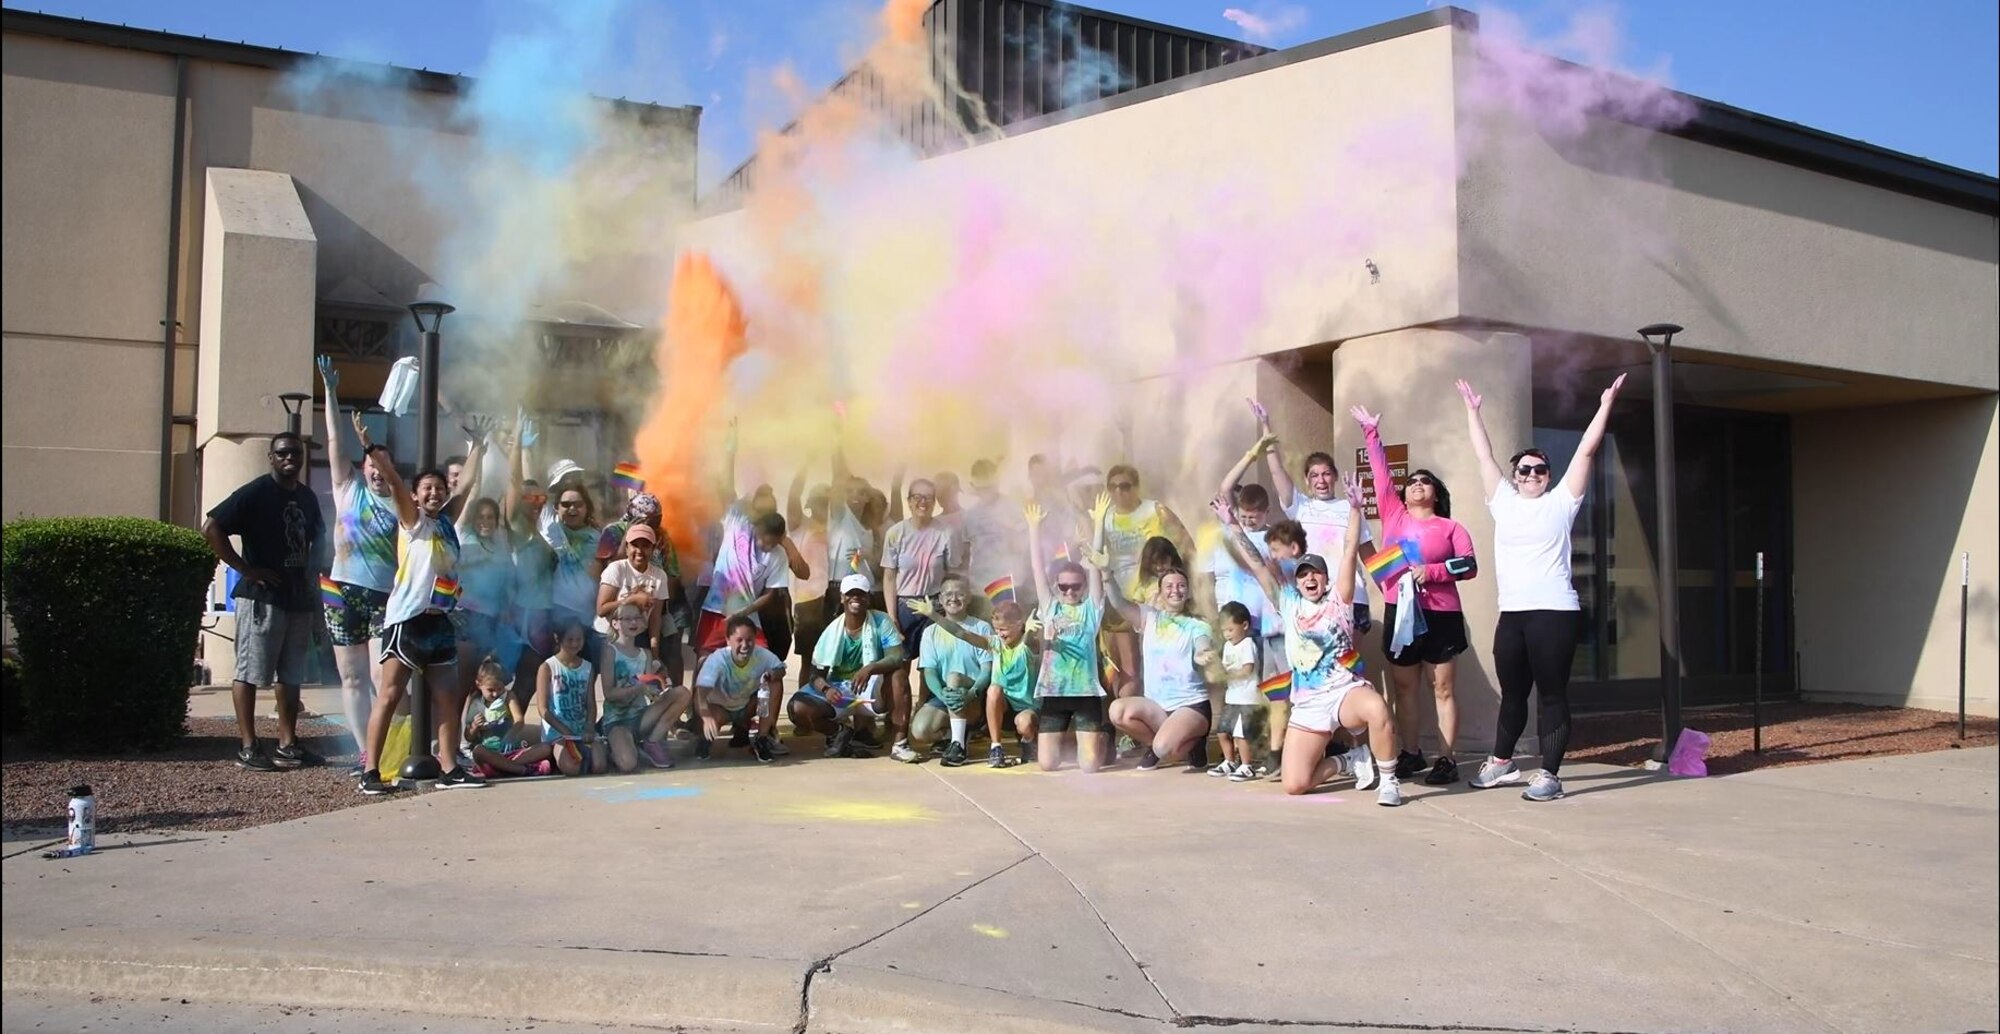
{"x": 1533, "y": 649}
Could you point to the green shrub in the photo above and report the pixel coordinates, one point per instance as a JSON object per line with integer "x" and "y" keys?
{"x": 106, "y": 611}
{"x": 10, "y": 694}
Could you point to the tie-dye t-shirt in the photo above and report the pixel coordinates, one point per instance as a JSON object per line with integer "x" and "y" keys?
{"x": 1069, "y": 649}
{"x": 364, "y": 537}
{"x": 1014, "y": 672}
{"x": 738, "y": 682}
{"x": 573, "y": 589}
{"x": 1316, "y": 639}
{"x": 486, "y": 573}
{"x": 1125, "y": 535}
{"x": 426, "y": 570}
{"x": 534, "y": 574}
{"x": 1173, "y": 679}
{"x": 742, "y": 571}
{"x": 949, "y": 655}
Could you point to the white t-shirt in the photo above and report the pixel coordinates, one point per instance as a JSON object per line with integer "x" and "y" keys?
{"x": 1242, "y": 687}
{"x": 426, "y": 571}
{"x": 1325, "y": 521}
{"x": 623, "y": 577}
{"x": 1167, "y": 649}
{"x": 1233, "y": 584}
{"x": 742, "y": 571}
{"x": 1531, "y": 548}
{"x": 739, "y": 684}
{"x": 846, "y": 536}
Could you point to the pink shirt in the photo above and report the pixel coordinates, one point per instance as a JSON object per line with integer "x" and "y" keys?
{"x": 1437, "y": 538}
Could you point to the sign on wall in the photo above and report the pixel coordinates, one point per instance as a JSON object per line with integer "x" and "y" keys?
{"x": 1399, "y": 470}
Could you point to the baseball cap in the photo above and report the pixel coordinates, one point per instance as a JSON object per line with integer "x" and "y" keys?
{"x": 563, "y": 469}
{"x": 856, "y": 583}
{"x": 641, "y": 533}
{"x": 1311, "y": 560}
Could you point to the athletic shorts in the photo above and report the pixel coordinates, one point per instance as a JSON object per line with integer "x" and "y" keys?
{"x": 711, "y": 633}
{"x": 628, "y": 719}
{"x": 272, "y": 643}
{"x": 1443, "y": 637}
{"x": 808, "y": 621}
{"x": 953, "y": 700}
{"x": 1200, "y": 707}
{"x": 358, "y": 618}
{"x": 776, "y": 621}
{"x": 717, "y": 698}
{"x": 912, "y": 626}
{"x": 842, "y": 697}
{"x": 1070, "y": 714}
{"x": 1321, "y": 711}
{"x": 425, "y": 640}
{"x": 1249, "y": 716}
{"x": 1019, "y": 704}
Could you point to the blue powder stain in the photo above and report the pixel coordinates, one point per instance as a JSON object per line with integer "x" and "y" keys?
{"x": 651, "y": 793}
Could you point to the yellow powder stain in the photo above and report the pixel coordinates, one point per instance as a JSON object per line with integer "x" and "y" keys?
{"x": 991, "y": 931}
{"x": 913, "y": 904}
{"x": 857, "y": 811}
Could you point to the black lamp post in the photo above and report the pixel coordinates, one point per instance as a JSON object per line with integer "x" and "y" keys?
{"x": 294, "y": 401}
{"x": 1669, "y": 551}
{"x": 429, "y": 313}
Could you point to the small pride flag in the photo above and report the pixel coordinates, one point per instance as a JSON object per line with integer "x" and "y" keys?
{"x": 626, "y": 476}
{"x": 1276, "y": 687}
{"x": 1000, "y": 590}
{"x": 444, "y": 593}
{"x": 329, "y": 592}
{"x": 1351, "y": 660}
{"x": 1388, "y": 564}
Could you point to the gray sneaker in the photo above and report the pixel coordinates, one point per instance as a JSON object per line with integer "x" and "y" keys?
{"x": 1493, "y": 772}
{"x": 1543, "y": 787}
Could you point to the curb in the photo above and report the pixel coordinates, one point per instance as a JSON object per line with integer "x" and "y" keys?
{"x": 858, "y": 1000}
{"x": 550, "y": 984}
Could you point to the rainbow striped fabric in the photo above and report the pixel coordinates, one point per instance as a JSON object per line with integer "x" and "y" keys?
{"x": 444, "y": 593}
{"x": 626, "y": 476}
{"x": 329, "y": 592}
{"x": 1276, "y": 687}
{"x": 1000, "y": 590}
{"x": 1388, "y": 563}
{"x": 1351, "y": 660}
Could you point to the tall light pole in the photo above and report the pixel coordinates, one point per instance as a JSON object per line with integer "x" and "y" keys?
{"x": 429, "y": 312}
{"x": 1669, "y": 560}
{"x": 294, "y": 402}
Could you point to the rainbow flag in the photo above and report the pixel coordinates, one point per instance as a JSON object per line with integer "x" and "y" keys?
{"x": 1351, "y": 660}
{"x": 1277, "y": 687}
{"x": 1388, "y": 564}
{"x": 1000, "y": 590}
{"x": 626, "y": 476}
{"x": 329, "y": 592}
{"x": 444, "y": 593}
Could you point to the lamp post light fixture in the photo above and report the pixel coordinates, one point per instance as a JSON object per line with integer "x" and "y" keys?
{"x": 429, "y": 312}
{"x": 1669, "y": 560}
{"x": 294, "y": 402}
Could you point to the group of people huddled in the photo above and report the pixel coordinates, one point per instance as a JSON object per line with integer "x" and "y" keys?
{"x": 908, "y": 625}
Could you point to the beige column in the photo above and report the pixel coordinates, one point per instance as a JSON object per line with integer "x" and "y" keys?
{"x": 1408, "y": 376}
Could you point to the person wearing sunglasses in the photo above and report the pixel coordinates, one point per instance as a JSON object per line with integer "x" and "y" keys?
{"x": 1534, "y": 642}
{"x": 1067, "y": 687}
{"x": 1419, "y": 512}
{"x": 364, "y": 565}
{"x": 1126, "y": 527}
{"x": 277, "y": 518}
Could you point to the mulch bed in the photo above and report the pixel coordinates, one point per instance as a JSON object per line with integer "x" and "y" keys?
{"x": 195, "y": 785}
{"x": 1794, "y": 734}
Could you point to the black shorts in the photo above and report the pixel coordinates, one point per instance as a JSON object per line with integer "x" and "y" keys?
{"x": 1070, "y": 714}
{"x": 1443, "y": 637}
{"x": 1201, "y": 707}
{"x": 912, "y": 625}
{"x": 421, "y": 642}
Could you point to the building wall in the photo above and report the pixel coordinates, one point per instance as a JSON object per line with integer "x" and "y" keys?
{"x": 1886, "y": 499}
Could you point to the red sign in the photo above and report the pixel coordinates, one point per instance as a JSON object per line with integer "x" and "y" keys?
{"x": 1399, "y": 471}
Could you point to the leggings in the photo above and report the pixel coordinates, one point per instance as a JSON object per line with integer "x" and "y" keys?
{"x": 1534, "y": 649}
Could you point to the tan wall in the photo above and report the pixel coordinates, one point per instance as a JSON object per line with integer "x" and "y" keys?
{"x": 1885, "y": 501}
{"x": 1625, "y": 227}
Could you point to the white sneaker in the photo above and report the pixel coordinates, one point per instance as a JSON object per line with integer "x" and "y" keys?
{"x": 1223, "y": 770}
{"x": 1493, "y": 772}
{"x": 902, "y": 752}
{"x": 1391, "y": 793}
{"x": 1362, "y": 764}
{"x": 1243, "y": 773}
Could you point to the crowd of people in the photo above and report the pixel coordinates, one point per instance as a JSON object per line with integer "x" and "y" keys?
{"x": 922, "y": 618}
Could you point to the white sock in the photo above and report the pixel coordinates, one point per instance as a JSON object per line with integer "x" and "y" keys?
{"x": 958, "y": 729}
{"x": 1385, "y": 769}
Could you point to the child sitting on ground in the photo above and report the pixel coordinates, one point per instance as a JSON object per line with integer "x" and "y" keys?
{"x": 493, "y": 725}
{"x": 1242, "y": 706}
{"x": 568, "y": 707}
{"x": 634, "y": 723}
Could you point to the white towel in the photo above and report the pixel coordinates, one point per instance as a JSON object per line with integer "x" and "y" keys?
{"x": 1409, "y": 616}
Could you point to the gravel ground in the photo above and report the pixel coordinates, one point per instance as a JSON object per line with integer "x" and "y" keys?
{"x": 193, "y": 786}
{"x": 1794, "y": 734}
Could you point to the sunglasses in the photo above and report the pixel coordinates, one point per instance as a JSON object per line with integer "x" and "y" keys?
{"x": 571, "y": 504}
{"x": 1423, "y": 479}
{"x": 287, "y": 454}
{"x": 1531, "y": 470}
{"x": 1069, "y": 586}
{"x": 1124, "y": 486}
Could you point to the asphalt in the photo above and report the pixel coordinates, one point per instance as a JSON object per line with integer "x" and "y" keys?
{"x": 855, "y": 896}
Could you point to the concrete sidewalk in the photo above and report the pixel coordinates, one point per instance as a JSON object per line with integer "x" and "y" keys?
{"x": 866, "y": 895}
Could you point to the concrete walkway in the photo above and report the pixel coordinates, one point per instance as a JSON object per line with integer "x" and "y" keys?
{"x": 866, "y": 895}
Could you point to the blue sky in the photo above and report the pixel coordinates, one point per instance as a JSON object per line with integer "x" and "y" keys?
{"x": 1919, "y": 78}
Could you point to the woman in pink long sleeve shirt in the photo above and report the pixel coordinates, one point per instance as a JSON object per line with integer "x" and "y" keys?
{"x": 1420, "y": 512}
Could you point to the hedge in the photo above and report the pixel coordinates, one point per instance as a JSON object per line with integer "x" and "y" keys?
{"x": 106, "y": 611}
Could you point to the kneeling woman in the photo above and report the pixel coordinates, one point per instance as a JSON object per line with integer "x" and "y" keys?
{"x": 1318, "y": 619}
{"x": 1173, "y": 716}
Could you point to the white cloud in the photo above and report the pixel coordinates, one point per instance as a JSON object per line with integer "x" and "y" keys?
{"x": 1268, "y": 22}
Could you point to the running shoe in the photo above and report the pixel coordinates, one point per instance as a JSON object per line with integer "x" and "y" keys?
{"x": 778, "y": 748}
{"x": 1543, "y": 787}
{"x": 995, "y": 757}
{"x": 460, "y": 779}
{"x": 1363, "y": 765}
{"x": 1028, "y": 752}
{"x": 954, "y": 754}
{"x": 1148, "y": 760}
{"x": 939, "y": 745}
{"x": 291, "y": 755}
{"x": 1128, "y": 747}
{"x": 255, "y": 760}
{"x": 760, "y": 748}
{"x": 838, "y": 744}
{"x": 371, "y": 785}
{"x": 904, "y": 753}
{"x": 656, "y": 754}
{"x": 704, "y": 749}
{"x": 1409, "y": 764}
{"x": 1493, "y": 772}
{"x": 1444, "y": 772}
{"x": 1197, "y": 758}
{"x": 1391, "y": 793}
{"x": 1223, "y": 769}
{"x": 1242, "y": 773}
{"x": 740, "y": 736}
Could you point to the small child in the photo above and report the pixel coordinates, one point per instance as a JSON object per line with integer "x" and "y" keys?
{"x": 1242, "y": 707}
{"x": 1013, "y": 660}
{"x": 633, "y": 722}
{"x": 492, "y": 725}
{"x": 568, "y": 707}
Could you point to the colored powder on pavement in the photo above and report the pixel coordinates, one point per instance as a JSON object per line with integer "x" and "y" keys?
{"x": 994, "y": 932}
{"x": 857, "y": 811}
{"x": 620, "y": 795}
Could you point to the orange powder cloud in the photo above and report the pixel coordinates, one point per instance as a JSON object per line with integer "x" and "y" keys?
{"x": 705, "y": 332}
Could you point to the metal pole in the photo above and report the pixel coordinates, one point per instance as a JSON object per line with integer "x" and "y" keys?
{"x": 1669, "y": 552}
{"x": 1757, "y": 694}
{"x": 421, "y": 766}
{"x": 1964, "y": 590}
{"x": 427, "y": 402}
{"x": 170, "y": 324}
